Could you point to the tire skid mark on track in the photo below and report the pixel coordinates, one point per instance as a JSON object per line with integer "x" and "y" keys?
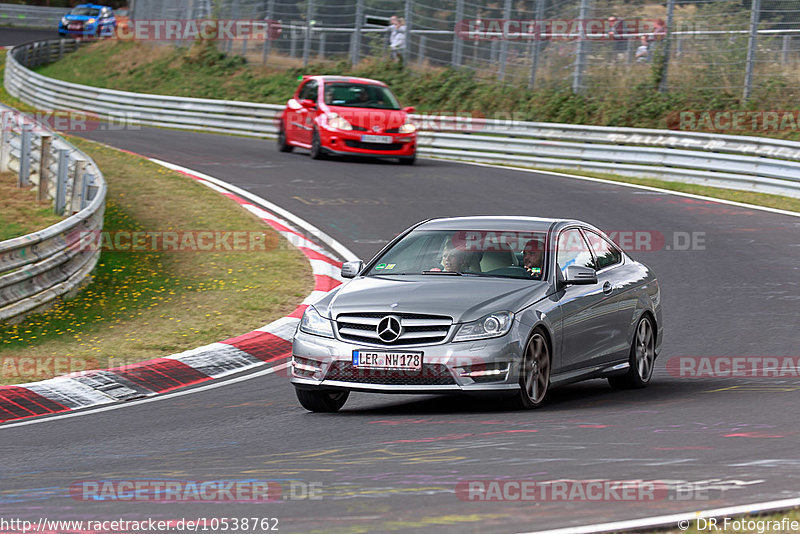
{"x": 269, "y": 344}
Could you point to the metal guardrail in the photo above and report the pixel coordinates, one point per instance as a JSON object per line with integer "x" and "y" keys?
{"x": 24, "y": 16}
{"x": 731, "y": 161}
{"x": 37, "y": 268}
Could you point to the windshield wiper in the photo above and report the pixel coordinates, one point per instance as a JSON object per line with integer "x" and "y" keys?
{"x": 449, "y": 273}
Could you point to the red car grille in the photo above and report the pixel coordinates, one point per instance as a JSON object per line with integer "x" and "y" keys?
{"x": 373, "y": 146}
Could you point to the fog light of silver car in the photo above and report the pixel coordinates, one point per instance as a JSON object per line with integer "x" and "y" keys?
{"x": 481, "y": 372}
{"x": 306, "y": 368}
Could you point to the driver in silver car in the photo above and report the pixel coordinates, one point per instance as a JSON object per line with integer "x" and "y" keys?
{"x": 533, "y": 256}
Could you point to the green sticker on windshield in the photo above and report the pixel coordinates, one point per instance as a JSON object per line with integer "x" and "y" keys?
{"x": 380, "y": 266}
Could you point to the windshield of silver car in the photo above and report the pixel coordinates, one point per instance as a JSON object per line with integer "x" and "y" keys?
{"x": 507, "y": 254}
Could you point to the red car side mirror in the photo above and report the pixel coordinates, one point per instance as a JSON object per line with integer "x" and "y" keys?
{"x": 308, "y": 103}
{"x": 410, "y": 109}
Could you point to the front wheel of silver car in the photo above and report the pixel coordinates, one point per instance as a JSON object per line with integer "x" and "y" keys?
{"x": 534, "y": 380}
{"x": 642, "y": 358}
{"x": 324, "y": 400}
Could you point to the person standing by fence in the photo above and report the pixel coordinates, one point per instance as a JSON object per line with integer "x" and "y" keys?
{"x": 397, "y": 37}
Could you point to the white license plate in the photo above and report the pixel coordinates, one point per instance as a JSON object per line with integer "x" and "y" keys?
{"x": 376, "y": 359}
{"x": 385, "y": 139}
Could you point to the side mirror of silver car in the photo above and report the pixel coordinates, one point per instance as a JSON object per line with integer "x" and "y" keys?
{"x": 579, "y": 275}
{"x": 351, "y": 268}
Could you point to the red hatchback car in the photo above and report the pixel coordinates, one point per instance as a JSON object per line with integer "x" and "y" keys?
{"x": 347, "y": 116}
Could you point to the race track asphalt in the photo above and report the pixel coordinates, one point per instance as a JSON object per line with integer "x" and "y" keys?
{"x": 390, "y": 463}
{"x": 17, "y": 36}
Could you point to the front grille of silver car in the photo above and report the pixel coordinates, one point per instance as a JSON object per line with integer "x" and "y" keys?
{"x": 417, "y": 329}
{"x": 431, "y": 374}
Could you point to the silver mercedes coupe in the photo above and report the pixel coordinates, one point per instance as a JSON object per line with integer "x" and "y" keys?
{"x": 511, "y": 305}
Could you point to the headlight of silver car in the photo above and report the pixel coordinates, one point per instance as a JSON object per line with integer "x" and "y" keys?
{"x": 492, "y": 325}
{"x": 315, "y": 324}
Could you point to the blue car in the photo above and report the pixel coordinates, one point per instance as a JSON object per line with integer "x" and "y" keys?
{"x": 88, "y": 20}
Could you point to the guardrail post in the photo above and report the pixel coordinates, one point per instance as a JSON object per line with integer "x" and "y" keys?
{"x": 92, "y": 190}
{"x": 755, "y": 13}
{"x": 60, "y": 48}
{"x": 25, "y": 156}
{"x": 62, "y": 175}
{"x": 88, "y": 179}
{"x": 44, "y": 167}
{"x": 80, "y": 168}
{"x": 5, "y": 137}
{"x": 47, "y": 52}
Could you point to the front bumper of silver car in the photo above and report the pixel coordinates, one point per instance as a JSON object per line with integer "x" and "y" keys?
{"x": 473, "y": 366}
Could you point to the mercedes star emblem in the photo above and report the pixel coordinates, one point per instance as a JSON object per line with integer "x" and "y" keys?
{"x": 389, "y": 329}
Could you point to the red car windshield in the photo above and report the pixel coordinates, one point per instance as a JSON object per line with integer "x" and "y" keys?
{"x": 359, "y": 95}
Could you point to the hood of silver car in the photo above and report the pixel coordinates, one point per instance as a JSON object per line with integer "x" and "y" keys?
{"x": 464, "y": 298}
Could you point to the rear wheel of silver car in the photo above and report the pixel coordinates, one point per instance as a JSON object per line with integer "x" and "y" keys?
{"x": 317, "y": 152}
{"x": 325, "y": 400}
{"x": 642, "y": 358}
{"x": 534, "y": 380}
